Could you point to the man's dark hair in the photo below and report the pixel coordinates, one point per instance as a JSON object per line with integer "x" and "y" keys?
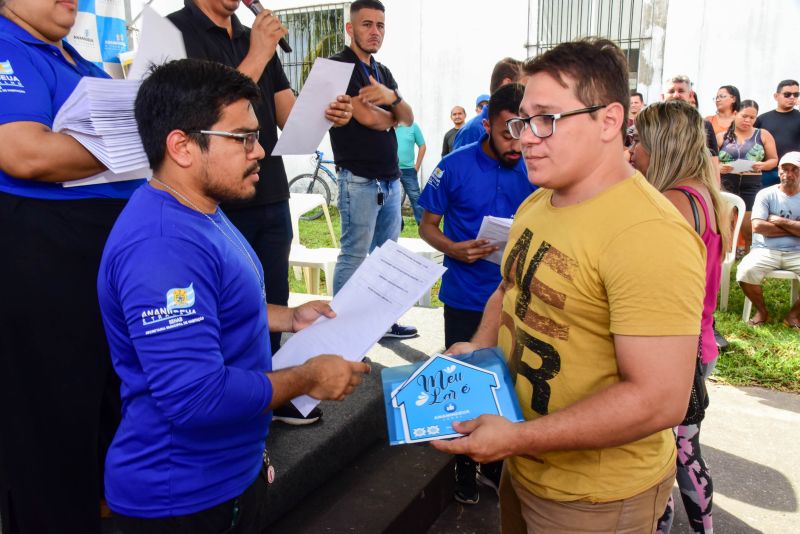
{"x": 187, "y": 95}
{"x": 358, "y": 5}
{"x": 597, "y": 67}
{"x": 507, "y": 98}
{"x": 505, "y": 68}
{"x": 635, "y": 93}
{"x": 784, "y": 83}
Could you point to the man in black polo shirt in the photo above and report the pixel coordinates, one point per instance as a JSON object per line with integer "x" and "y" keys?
{"x": 211, "y": 31}
{"x": 783, "y": 123}
{"x": 365, "y": 150}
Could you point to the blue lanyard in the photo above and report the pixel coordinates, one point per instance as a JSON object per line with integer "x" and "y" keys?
{"x": 367, "y": 70}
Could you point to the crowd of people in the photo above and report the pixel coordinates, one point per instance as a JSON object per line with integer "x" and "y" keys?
{"x": 149, "y": 383}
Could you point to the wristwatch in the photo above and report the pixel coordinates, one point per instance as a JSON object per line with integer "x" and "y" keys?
{"x": 399, "y": 98}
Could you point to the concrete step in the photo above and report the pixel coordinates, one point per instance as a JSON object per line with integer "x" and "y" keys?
{"x": 387, "y": 489}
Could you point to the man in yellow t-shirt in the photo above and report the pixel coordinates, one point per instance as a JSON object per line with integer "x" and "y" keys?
{"x": 598, "y": 313}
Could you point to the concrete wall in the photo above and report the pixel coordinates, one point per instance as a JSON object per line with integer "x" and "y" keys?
{"x": 751, "y": 45}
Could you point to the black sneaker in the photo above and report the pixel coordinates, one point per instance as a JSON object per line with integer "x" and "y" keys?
{"x": 489, "y": 475}
{"x": 291, "y": 416}
{"x": 466, "y": 491}
{"x": 401, "y": 332}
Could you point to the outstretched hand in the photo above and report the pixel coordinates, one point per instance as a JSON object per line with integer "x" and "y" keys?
{"x": 488, "y": 438}
{"x": 333, "y": 377}
{"x": 305, "y": 314}
{"x": 341, "y": 111}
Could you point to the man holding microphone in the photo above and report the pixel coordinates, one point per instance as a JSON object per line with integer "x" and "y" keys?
{"x": 211, "y": 31}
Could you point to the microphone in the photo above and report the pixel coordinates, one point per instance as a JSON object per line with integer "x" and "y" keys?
{"x": 256, "y": 7}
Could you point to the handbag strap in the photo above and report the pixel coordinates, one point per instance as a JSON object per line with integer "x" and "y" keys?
{"x": 693, "y": 203}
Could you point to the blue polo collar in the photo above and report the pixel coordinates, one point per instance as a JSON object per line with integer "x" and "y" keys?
{"x": 9, "y": 27}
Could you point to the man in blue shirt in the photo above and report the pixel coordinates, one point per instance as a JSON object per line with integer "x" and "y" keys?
{"x": 507, "y": 70}
{"x": 183, "y": 301}
{"x": 484, "y": 178}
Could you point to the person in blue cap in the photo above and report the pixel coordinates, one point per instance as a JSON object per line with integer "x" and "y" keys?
{"x": 481, "y": 102}
{"x": 505, "y": 71}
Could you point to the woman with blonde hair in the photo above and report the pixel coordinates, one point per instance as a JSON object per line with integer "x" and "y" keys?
{"x": 671, "y": 152}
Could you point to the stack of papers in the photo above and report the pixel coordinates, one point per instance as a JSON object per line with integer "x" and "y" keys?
{"x": 495, "y": 230}
{"x": 99, "y": 115}
{"x": 381, "y": 290}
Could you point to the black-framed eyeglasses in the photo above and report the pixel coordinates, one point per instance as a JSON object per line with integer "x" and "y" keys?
{"x": 543, "y": 126}
{"x": 787, "y": 94}
{"x": 248, "y": 139}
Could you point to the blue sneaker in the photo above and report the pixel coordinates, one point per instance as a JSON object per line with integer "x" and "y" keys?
{"x": 401, "y": 332}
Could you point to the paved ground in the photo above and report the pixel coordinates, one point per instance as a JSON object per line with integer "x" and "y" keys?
{"x": 751, "y": 440}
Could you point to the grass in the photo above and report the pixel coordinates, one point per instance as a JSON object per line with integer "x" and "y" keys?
{"x": 767, "y": 356}
{"x": 314, "y": 234}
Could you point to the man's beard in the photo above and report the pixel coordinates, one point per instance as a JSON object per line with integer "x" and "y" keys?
{"x": 505, "y": 162}
{"x": 222, "y": 192}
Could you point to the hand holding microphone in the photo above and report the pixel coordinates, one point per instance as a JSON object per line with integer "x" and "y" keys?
{"x": 256, "y": 7}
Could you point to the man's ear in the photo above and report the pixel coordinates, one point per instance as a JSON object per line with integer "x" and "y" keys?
{"x": 486, "y": 125}
{"x": 613, "y": 118}
{"x": 180, "y": 148}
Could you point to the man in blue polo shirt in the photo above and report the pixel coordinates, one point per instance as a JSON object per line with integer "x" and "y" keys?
{"x": 484, "y": 178}
{"x": 505, "y": 71}
{"x": 184, "y": 306}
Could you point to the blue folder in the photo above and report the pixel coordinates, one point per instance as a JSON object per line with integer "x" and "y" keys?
{"x": 423, "y": 400}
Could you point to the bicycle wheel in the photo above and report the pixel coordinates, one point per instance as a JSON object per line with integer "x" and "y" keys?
{"x": 308, "y": 183}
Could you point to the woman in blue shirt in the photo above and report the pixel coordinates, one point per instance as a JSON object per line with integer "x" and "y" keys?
{"x": 56, "y": 381}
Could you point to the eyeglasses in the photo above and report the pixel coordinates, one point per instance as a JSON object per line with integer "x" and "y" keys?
{"x": 721, "y": 97}
{"x": 787, "y": 94}
{"x": 248, "y": 139}
{"x": 543, "y": 126}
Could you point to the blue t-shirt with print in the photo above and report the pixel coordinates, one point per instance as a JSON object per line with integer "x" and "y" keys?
{"x": 466, "y": 186}
{"x": 35, "y": 81}
{"x": 187, "y": 328}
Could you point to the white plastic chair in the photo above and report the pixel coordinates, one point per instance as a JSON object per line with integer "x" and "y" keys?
{"x": 299, "y": 204}
{"x": 784, "y": 275}
{"x": 312, "y": 260}
{"x": 730, "y": 256}
{"x": 418, "y": 246}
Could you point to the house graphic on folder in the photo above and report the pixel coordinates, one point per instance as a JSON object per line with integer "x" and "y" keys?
{"x": 442, "y": 391}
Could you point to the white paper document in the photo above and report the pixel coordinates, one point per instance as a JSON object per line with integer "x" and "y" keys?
{"x": 159, "y": 42}
{"x": 99, "y": 115}
{"x": 741, "y": 165}
{"x": 381, "y": 290}
{"x": 495, "y": 230}
{"x": 306, "y": 125}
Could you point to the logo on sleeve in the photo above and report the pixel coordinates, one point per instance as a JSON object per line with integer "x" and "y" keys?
{"x": 9, "y": 82}
{"x": 180, "y": 298}
{"x": 436, "y": 177}
{"x": 178, "y": 311}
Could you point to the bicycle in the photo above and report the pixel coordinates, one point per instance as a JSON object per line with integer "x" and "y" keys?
{"x": 314, "y": 183}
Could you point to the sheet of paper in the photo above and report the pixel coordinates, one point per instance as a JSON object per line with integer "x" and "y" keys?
{"x": 741, "y": 165}
{"x": 495, "y": 230}
{"x": 160, "y": 42}
{"x": 306, "y": 125}
{"x": 381, "y": 290}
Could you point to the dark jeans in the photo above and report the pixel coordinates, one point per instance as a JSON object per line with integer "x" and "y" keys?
{"x": 268, "y": 229}
{"x": 408, "y": 177}
{"x": 246, "y": 514}
{"x": 460, "y": 325}
{"x": 59, "y": 396}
